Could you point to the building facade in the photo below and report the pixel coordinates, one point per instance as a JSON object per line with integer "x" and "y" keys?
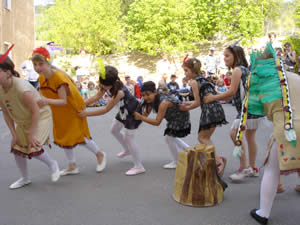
{"x": 17, "y": 27}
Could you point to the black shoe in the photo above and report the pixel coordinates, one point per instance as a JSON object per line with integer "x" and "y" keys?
{"x": 258, "y": 218}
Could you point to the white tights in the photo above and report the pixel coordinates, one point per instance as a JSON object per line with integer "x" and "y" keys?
{"x": 175, "y": 143}
{"x": 44, "y": 157}
{"x": 269, "y": 183}
{"x": 89, "y": 144}
{"x": 127, "y": 140}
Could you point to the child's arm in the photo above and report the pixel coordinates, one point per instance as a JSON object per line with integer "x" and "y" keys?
{"x": 11, "y": 125}
{"x": 235, "y": 83}
{"x": 95, "y": 98}
{"x": 113, "y": 101}
{"x": 32, "y": 105}
{"x": 62, "y": 98}
{"x": 159, "y": 117}
{"x": 192, "y": 104}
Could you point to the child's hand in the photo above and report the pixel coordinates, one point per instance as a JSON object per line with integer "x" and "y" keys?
{"x": 82, "y": 113}
{"x": 183, "y": 107}
{"x": 33, "y": 142}
{"x": 14, "y": 141}
{"x": 209, "y": 98}
{"x": 42, "y": 102}
{"x": 137, "y": 116}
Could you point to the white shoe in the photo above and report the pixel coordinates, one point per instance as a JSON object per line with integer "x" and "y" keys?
{"x": 123, "y": 154}
{"x": 56, "y": 175}
{"x": 171, "y": 165}
{"x": 240, "y": 174}
{"x": 69, "y": 172}
{"x": 101, "y": 167}
{"x": 20, "y": 183}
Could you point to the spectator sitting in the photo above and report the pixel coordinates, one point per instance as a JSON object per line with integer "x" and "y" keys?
{"x": 220, "y": 88}
{"x": 80, "y": 89}
{"x": 162, "y": 89}
{"x": 173, "y": 86}
{"x": 184, "y": 92}
{"x": 91, "y": 91}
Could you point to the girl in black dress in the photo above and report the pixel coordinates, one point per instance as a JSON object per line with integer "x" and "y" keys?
{"x": 110, "y": 83}
{"x": 178, "y": 122}
{"x": 212, "y": 114}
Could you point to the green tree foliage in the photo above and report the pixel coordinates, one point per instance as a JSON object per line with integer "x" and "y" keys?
{"x": 297, "y": 14}
{"x": 161, "y": 25}
{"x": 243, "y": 19}
{"x": 94, "y": 25}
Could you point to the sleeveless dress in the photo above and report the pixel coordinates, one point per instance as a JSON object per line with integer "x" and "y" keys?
{"x": 178, "y": 122}
{"x": 128, "y": 105}
{"x": 13, "y": 100}
{"x": 68, "y": 129}
{"x": 212, "y": 114}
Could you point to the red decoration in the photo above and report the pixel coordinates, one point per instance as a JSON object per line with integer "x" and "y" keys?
{"x": 2, "y": 58}
{"x": 285, "y": 159}
{"x": 43, "y": 52}
{"x": 281, "y": 146}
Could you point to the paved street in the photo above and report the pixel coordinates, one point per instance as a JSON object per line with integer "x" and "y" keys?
{"x": 111, "y": 198}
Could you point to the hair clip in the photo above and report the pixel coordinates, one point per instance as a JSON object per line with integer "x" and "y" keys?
{"x": 235, "y": 43}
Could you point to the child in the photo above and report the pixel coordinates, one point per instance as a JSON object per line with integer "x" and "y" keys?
{"x": 212, "y": 114}
{"x": 18, "y": 101}
{"x": 173, "y": 86}
{"x": 110, "y": 83}
{"x": 91, "y": 91}
{"x": 64, "y": 99}
{"x": 178, "y": 122}
{"x": 184, "y": 92}
{"x": 234, "y": 58}
{"x": 221, "y": 88}
{"x": 80, "y": 89}
{"x": 162, "y": 89}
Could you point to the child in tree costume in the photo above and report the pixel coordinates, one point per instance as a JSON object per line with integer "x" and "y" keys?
{"x": 273, "y": 92}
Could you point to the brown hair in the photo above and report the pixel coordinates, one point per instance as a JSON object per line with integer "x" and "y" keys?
{"x": 193, "y": 64}
{"x": 271, "y": 34}
{"x": 239, "y": 58}
{"x": 8, "y": 64}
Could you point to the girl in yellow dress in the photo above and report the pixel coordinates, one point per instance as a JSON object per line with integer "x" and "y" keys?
{"x": 60, "y": 92}
{"x": 28, "y": 124}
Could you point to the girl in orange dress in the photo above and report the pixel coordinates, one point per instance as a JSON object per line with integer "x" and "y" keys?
{"x": 28, "y": 124}
{"x": 60, "y": 92}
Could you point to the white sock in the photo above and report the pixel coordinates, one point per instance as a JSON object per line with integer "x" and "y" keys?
{"x": 70, "y": 155}
{"x": 116, "y": 132}
{"x": 45, "y": 158}
{"x": 91, "y": 145}
{"x": 22, "y": 165}
{"x": 129, "y": 137}
{"x": 171, "y": 141}
{"x": 181, "y": 144}
{"x": 269, "y": 183}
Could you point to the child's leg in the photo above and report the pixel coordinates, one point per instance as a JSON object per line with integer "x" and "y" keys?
{"x": 71, "y": 159}
{"x": 171, "y": 141}
{"x": 22, "y": 165}
{"x": 93, "y": 147}
{"x": 116, "y": 132}
{"x": 45, "y": 158}
{"x": 252, "y": 146}
{"x": 129, "y": 137}
{"x": 52, "y": 164}
{"x": 269, "y": 183}
{"x": 204, "y": 138}
{"x": 24, "y": 180}
{"x": 181, "y": 144}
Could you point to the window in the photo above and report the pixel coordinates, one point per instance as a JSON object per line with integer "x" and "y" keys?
{"x": 7, "y": 4}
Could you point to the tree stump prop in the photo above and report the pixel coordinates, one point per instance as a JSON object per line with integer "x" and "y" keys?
{"x": 196, "y": 180}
